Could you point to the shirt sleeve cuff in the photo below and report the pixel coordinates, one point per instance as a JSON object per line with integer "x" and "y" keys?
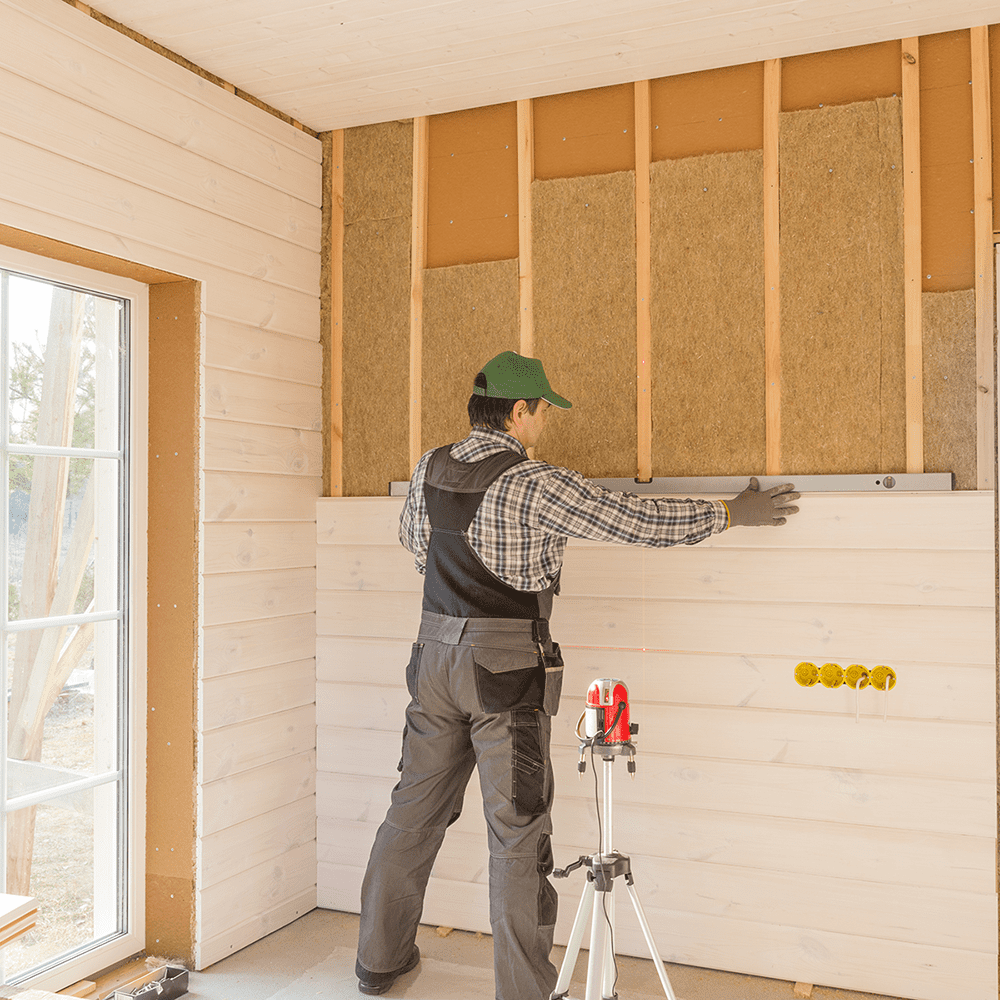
{"x": 721, "y": 517}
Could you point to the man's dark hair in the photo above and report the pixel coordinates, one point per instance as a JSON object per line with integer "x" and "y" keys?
{"x": 489, "y": 411}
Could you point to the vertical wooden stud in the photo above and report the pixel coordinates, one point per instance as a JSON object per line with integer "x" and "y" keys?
{"x": 337, "y": 316}
{"x": 643, "y": 157}
{"x": 982, "y": 146}
{"x": 525, "y": 175}
{"x": 418, "y": 260}
{"x": 912, "y": 258}
{"x": 772, "y": 289}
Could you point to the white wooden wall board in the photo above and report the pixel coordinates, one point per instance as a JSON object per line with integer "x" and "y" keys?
{"x": 892, "y": 576}
{"x": 262, "y": 838}
{"x": 958, "y": 520}
{"x": 237, "y": 446}
{"x": 936, "y": 577}
{"x": 242, "y": 348}
{"x": 369, "y": 26}
{"x": 104, "y": 201}
{"x": 72, "y": 129}
{"x": 271, "y": 882}
{"x": 906, "y": 913}
{"x": 898, "y": 747}
{"x": 238, "y": 597}
{"x": 855, "y": 633}
{"x": 953, "y": 692}
{"x": 237, "y": 798}
{"x": 755, "y": 948}
{"x": 241, "y": 646}
{"x": 245, "y": 496}
{"x": 257, "y": 399}
{"x": 245, "y": 745}
{"x": 821, "y": 794}
{"x": 226, "y": 294}
{"x": 956, "y": 692}
{"x": 373, "y": 707}
{"x": 863, "y": 854}
{"x": 232, "y": 547}
{"x": 81, "y": 55}
{"x": 348, "y": 659}
{"x": 232, "y": 939}
{"x": 347, "y": 613}
{"x": 635, "y": 46}
{"x": 255, "y": 693}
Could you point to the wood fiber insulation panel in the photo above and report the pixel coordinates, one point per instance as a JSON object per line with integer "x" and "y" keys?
{"x": 950, "y": 387}
{"x": 708, "y": 315}
{"x": 947, "y": 173}
{"x": 472, "y": 186}
{"x": 716, "y": 111}
{"x": 842, "y": 322}
{"x": 843, "y": 76}
{"x": 172, "y": 612}
{"x": 470, "y": 315}
{"x": 378, "y": 163}
{"x": 585, "y": 133}
{"x": 583, "y": 248}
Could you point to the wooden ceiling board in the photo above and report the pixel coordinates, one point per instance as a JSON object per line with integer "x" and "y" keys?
{"x": 353, "y": 62}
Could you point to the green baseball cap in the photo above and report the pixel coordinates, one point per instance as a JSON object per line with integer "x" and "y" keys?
{"x": 510, "y": 376}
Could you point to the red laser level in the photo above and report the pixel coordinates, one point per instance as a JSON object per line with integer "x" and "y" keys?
{"x": 607, "y": 711}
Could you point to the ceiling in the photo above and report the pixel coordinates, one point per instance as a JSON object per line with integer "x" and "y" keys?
{"x": 340, "y": 63}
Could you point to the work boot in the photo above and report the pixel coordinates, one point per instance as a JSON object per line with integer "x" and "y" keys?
{"x": 375, "y": 983}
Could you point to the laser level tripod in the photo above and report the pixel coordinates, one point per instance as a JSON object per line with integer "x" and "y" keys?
{"x": 606, "y": 865}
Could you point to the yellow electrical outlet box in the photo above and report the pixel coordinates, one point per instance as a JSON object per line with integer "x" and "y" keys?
{"x": 883, "y": 678}
{"x": 857, "y": 676}
{"x": 807, "y": 674}
{"x": 831, "y": 675}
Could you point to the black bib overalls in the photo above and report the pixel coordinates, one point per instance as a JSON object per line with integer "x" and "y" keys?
{"x": 484, "y": 679}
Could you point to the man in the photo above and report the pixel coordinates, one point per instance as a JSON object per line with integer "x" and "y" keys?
{"x": 488, "y": 528}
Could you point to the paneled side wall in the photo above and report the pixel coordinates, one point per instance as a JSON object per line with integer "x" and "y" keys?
{"x": 812, "y": 834}
{"x": 106, "y": 146}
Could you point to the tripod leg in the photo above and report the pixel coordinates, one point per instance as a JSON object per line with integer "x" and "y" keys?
{"x": 647, "y": 934}
{"x": 598, "y": 951}
{"x": 576, "y": 936}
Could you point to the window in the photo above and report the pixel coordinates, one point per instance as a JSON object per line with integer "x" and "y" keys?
{"x": 72, "y": 438}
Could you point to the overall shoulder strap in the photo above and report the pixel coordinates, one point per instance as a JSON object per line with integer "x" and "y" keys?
{"x": 446, "y": 473}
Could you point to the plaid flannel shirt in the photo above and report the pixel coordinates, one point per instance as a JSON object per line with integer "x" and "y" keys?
{"x": 526, "y": 517}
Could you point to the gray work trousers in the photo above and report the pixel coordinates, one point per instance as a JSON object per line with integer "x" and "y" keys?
{"x": 479, "y": 697}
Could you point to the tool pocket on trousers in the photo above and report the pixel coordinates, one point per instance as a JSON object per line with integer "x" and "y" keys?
{"x": 413, "y": 669}
{"x": 508, "y": 678}
{"x": 528, "y": 757}
{"x": 553, "y": 680}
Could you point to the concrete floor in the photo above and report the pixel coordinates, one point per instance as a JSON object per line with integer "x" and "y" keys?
{"x": 314, "y": 957}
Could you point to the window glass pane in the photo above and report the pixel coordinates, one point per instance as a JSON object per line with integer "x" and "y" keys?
{"x": 64, "y": 363}
{"x": 63, "y": 723}
{"x": 69, "y": 843}
{"x": 62, "y": 536}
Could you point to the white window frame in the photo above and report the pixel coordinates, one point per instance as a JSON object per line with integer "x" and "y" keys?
{"x": 133, "y": 940}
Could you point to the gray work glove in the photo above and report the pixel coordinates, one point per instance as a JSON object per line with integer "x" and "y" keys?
{"x": 756, "y": 507}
